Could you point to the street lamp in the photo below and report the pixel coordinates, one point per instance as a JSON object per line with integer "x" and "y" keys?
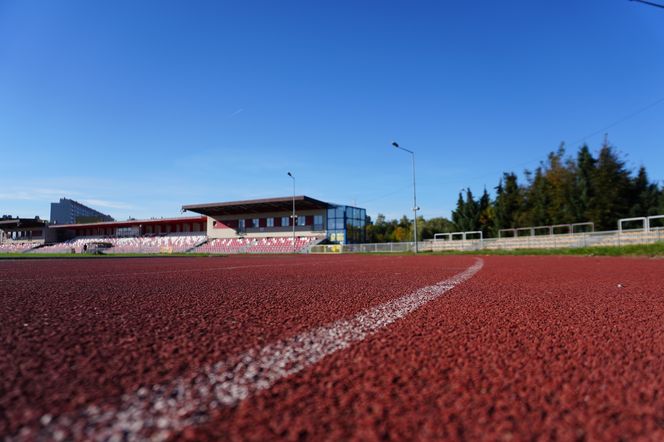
{"x": 415, "y": 208}
{"x": 293, "y": 216}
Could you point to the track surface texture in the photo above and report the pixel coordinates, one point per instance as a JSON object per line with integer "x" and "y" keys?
{"x": 332, "y": 348}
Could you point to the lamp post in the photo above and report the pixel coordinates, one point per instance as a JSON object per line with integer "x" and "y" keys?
{"x": 415, "y": 208}
{"x": 293, "y": 216}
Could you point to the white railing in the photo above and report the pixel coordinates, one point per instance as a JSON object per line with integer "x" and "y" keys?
{"x": 386, "y": 247}
{"x": 643, "y": 220}
{"x": 572, "y": 238}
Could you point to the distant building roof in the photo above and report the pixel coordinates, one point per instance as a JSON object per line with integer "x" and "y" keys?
{"x": 280, "y": 204}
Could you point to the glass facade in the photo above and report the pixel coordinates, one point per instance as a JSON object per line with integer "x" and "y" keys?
{"x": 346, "y": 225}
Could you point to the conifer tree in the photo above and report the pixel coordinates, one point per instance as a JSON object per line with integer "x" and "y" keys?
{"x": 508, "y": 202}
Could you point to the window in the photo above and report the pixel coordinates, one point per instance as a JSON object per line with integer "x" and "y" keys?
{"x": 284, "y": 221}
{"x": 255, "y": 223}
{"x": 318, "y": 221}
{"x": 301, "y": 220}
{"x": 241, "y": 224}
{"x": 270, "y": 222}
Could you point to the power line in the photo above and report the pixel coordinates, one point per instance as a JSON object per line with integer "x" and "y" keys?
{"x": 582, "y": 139}
{"x": 625, "y": 118}
{"x": 385, "y": 195}
{"x": 599, "y": 131}
{"x": 657, "y": 5}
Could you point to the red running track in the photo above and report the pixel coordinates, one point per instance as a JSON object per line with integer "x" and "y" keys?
{"x": 527, "y": 348}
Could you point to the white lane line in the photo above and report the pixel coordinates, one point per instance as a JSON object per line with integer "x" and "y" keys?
{"x": 162, "y": 410}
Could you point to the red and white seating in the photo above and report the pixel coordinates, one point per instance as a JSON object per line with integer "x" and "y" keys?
{"x": 18, "y": 246}
{"x": 183, "y": 242}
{"x": 75, "y": 245}
{"x": 224, "y": 245}
{"x": 280, "y": 245}
{"x": 172, "y": 243}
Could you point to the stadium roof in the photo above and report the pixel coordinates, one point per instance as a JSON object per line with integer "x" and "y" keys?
{"x": 129, "y": 223}
{"x": 281, "y": 204}
{"x": 21, "y": 222}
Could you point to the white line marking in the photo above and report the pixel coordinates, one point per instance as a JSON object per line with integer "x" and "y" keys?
{"x": 161, "y": 411}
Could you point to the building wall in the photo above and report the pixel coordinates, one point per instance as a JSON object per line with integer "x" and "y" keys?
{"x": 227, "y": 226}
{"x": 39, "y": 234}
{"x": 141, "y": 228}
{"x": 67, "y": 211}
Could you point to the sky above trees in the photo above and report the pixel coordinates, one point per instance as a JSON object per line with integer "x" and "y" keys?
{"x": 139, "y": 107}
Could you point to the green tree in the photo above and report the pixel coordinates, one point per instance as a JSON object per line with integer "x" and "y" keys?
{"x": 535, "y": 210}
{"x": 509, "y": 202}
{"x": 435, "y": 225}
{"x": 466, "y": 217}
{"x": 584, "y": 192}
{"x": 645, "y": 196}
{"x": 612, "y": 185}
{"x": 486, "y": 218}
{"x": 563, "y": 190}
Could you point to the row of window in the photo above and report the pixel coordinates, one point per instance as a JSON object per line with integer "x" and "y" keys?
{"x": 136, "y": 230}
{"x": 285, "y": 221}
{"x": 22, "y": 234}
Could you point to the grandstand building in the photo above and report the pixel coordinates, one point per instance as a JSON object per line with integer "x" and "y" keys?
{"x": 68, "y": 211}
{"x": 272, "y": 218}
{"x": 19, "y": 235}
{"x": 165, "y": 235}
{"x": 23, "y": 229}
{"x": 136, "y": 227}
{"x": 252, "y": 226}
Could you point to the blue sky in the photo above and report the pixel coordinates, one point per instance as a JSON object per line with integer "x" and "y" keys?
{"x": 140, "y": 107}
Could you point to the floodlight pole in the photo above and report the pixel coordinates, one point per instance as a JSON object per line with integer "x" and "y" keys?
{"x": 293, "y": 216}
{"x": 415, "y": 208}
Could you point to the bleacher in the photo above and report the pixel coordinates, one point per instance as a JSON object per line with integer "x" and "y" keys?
{"x": 71, "y": 246}
{"x": 280, "y": 245}
{"x": 18, "y": 246}
{"x": 171, "y": 243}
{"x": 261, "y": 245}
{"x": 224, "y": 245}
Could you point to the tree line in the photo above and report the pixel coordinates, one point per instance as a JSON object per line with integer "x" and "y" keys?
{"x": 561, "y": 190}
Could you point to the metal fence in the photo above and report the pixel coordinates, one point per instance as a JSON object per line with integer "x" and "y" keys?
{"x": 559, "y": 241}
{"x": 388, "y": 247}
{"x": 461, "y": 242}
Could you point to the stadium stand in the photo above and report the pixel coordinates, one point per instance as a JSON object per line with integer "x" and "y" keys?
{"x": 170, "y": 243}
{"x": 226, "y": 245}
{"x": 281, "y": 245}
{"x": 260, "y": 245}
{"x": 71, "y": 246}
{"x": 18, "y": 246}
